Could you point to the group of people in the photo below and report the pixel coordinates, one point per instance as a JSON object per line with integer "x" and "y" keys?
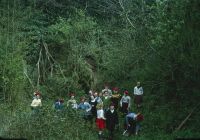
{"x": 104, "y": 107}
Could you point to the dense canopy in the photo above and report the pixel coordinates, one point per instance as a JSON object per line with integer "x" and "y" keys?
{"x": 64, "y": 46}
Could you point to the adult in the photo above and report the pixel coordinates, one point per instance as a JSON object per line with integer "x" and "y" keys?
{"x": 125, "y": 102}
{"x": 111, "y": 120}
{"x": 132, "y": 123}
{"x": 138, "y": 93}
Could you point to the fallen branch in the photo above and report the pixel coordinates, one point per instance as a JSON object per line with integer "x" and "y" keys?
{"x": 185, "y": 120}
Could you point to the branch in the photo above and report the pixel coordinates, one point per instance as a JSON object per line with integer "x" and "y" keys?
{"x": 50, "y": 56}
{"x": 121, "y": 4}
{"x": 185, "y": 120}
{"x": 38, "y": 66}
{"x": 25, "y": 73}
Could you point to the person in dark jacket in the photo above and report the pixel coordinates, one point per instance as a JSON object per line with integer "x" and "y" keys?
{"x": 93, "y": 104}
{"x": 111, "y": 120}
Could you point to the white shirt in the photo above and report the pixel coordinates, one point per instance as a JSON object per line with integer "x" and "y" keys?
{"x": 100, "y": 114}
{"x": 125, "y": 99}
{"x": 108, "y": 91}
{"x": 138, "y": 91}
{"x": 36, "y": 103}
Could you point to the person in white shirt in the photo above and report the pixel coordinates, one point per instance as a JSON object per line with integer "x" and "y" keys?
{"x": 36, "y": 103}
{"x": 138, "y": 95}
{"x": 125, "y": 103}
{"x": 107, "y": 93}
{"x": 100, "y": 121}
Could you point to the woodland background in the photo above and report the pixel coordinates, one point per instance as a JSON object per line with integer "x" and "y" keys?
{"x": 62, "y": 46}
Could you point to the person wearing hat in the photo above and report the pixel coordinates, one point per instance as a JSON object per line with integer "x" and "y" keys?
{"x": 72, "y": 102}
{"x": 100, "y": 120}
{"x": 115, "y": 97}
{"x": 35, "y": 93}
{"x": 132, "y": 123}
{"x": 59, "y": 104}
{"x": 138, "y": 94}
{"x": 111, "y": 120}
{"x": 125, "y": 103}
{"x": 36, "y": 103}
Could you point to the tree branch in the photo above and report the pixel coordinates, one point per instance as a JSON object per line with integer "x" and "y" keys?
{"x": 185, "y": 120}
{"x": 38, "y": 66}
{"x": 122, "y": 6}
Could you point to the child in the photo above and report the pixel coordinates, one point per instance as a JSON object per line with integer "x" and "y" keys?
{"x": 111, "y": 120}
{"x": 93, "y": 104}
{"x": 125, "y": 103}
{"x": 36, "y": 103}
{"x": 59, "y": 104}
{"x": 132, "y": 122}
{"x": 86, "y": 109}
{"x": 115, "y": 97}
{"x": 72, "y": 102}
{"x": 100, "y": 121}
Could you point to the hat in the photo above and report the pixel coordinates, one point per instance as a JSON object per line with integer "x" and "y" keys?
{"x": 140, "y": 117}
{"x": 115, "y": 89}
{"x": 37, "y": 94}
{"x": 126, "y": 92}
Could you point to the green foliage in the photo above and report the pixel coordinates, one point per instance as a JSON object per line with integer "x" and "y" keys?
{"x": 71, "y": 46}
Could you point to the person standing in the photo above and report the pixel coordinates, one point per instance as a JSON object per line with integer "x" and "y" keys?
{"x": 36, "y": 103}
{"x": 138, "y": 95}
{"x": 93, "y": 104}
{"x": 107, "y": 92}
{"x": 115, "y": 97}
{"x": 72, "y": 102}
{"x": 100, "y": 121}
{"x": 85, "y": 107}
{"x": 111, "y": 120}
{"x": 125, "y": 103}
